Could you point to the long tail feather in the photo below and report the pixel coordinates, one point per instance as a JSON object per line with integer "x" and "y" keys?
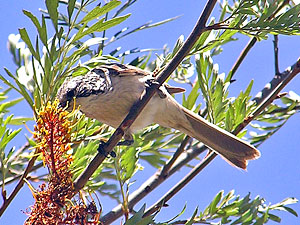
{"x": 233, "y": 149}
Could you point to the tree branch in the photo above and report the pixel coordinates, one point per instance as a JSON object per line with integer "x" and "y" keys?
{"x": 175, "y": 189}
{"x": 276, "y": 58}
{"x": 138, "y": 107}
{"x": 277, "y": 79}
{"x": 18, "y": 186}
{"x": 242, "y": 56}
{"x": 175, "y": 156}
{"x": 184, "y": 50}
{"x": 117, "y": 212}
{"x": 272, "y": 94}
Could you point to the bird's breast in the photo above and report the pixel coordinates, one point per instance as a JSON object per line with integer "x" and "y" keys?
{"x": 113, "y": 106}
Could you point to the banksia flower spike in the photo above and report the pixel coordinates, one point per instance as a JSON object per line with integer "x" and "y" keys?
{"x": 53, "y": 203}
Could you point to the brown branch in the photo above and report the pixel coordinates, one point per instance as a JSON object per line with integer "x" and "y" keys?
{"x": 273, "y": 93}
{"x": 18, "y": 186}
{"x": 188, "y": 44}
{"x": 197, "y": 169}
{"x": 242, "y": 56}
{"x": 271, "y": 86}
{"x": 276, "y": 57}
{"x": 138, "y": 107}
{"x": 175, "y": 156}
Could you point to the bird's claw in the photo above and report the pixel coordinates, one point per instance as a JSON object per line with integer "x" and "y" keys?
{"x": 151, "y": 82}
{"x": 101, "y": 150}
{"x": 101, "y": 147}
{"x": 125, "y": 143}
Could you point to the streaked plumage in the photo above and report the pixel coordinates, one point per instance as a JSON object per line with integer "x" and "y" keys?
{"x": 107, "y": 93}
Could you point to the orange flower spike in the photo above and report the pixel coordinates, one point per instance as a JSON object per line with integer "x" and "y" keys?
{"x": 53, "y": 136}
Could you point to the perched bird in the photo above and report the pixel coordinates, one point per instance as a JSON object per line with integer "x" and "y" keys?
{"x": 107, "y": 93}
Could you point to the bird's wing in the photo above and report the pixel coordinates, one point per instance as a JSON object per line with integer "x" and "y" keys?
{"x": 116, "y": 69}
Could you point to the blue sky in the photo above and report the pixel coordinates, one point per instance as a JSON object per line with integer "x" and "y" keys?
{"x": 274, "y": 176}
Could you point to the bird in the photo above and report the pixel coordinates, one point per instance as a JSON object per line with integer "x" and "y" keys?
{"x": 107, "y": 92}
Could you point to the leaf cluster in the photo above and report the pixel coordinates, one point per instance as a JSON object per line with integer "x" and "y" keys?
{"x": 225, "y": 209}
{"x": 10, "y": 162}
{"x": 261, "y": 17}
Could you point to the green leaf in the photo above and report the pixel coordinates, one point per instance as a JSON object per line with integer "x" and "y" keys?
{"x": 159, "y": 23}
{"x": 71, "y": 6}
{"x": 99, "y": 26}
{"x": 128, "y": 161}
{"x": 33, "y": 19}
{"x": 52, "y": 6}
{"x": 43, "y": 32}
{"x": 22, "y": 89}
{"x": 26, "y": 39}
{"x": 9, "y": 104}
{"x": 20, "y": 120}
{"x": 274, "y": 218}
{"x": 282, "y": 205}
{"x": 213, "y": 205}
{"x": 99, "y": 11}
{"x": 137, "y": 218}
{"x": 192, "y": 97}
{"x": 178, "y": 215}
{"x": 191, "y": 220}
{"x": 9, "y": 135}
{"x": 41, "y": 29}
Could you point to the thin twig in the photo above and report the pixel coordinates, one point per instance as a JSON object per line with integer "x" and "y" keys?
{"x": 278, "y": 78}
{"x": 156, "y": 206}
{"x": 18, "y": 186}
{"x": 138, "y": 107}
{"x": 276, "y": 57}
{"x": 264, "y": 102}
{"x": 242, "y": 56}
{"x": 175, "y": 156}
{"x": 18, "y": 176}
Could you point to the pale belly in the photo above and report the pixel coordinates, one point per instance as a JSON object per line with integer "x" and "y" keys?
{"x": 111, "y": 108}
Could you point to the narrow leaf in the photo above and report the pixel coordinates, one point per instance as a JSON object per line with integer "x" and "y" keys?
{"x": 99, "y": 11}
{"x": 22, "y": 89}
{"x": 99, "y": 26}
{"x": 33, "y": 19}
{"x": 26, "y": 39}
{"x": 71, "y": 6}
{"x": 191, "y": 220}
{"x": 52, "y": 10}
{"x": 9, "y": 104}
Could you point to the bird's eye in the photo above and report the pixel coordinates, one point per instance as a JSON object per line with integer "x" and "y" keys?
{"x": 70, "y": 94}
{"x": 97, "y": 71}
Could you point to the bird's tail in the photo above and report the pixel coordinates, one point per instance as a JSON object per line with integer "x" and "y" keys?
{"x": 234, "y": 150}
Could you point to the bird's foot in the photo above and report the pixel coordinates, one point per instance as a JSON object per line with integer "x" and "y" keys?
{"x": 151, "y": 82}
{"x": 125, "y": 143}
{"x": 101, "y": 150}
